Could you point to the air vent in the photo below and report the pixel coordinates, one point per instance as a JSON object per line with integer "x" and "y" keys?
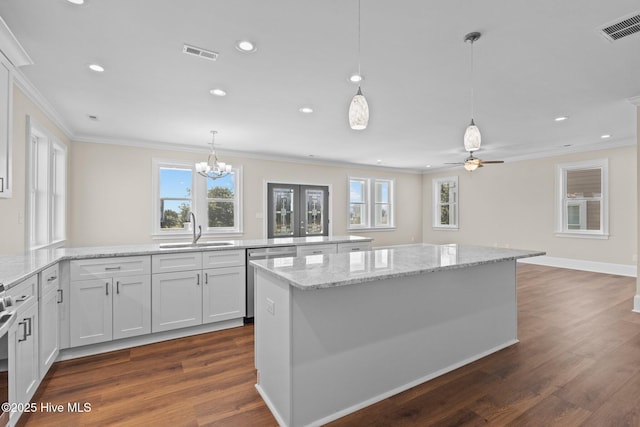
{"x": 202, "y": 53}
{"x": 622, "y": 27}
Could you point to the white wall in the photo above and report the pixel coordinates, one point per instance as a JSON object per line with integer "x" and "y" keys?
{"x": 111, "y": 194}
{"x": 514, "y": 204}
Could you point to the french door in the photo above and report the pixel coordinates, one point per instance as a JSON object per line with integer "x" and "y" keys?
{"x": 297, "y": 210}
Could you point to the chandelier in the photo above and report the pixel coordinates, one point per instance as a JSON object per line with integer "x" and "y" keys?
{"x": 212, "y": 168}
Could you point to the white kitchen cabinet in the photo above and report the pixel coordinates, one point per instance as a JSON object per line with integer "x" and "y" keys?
{"x": 353, "y": 247}
{"x": 223, "y": 294}
{"x": 23, "y": 344}
{"x": 317, "y": 249}
{"x": 6, "y": 101}
{"x": 49, "y": 332}
{"x": 176, "y": 300}
{"x": 115, "y": 303}
{"x": 193, "y": 288}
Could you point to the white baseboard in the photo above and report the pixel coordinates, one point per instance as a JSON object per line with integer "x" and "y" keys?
{"x": 578, "y": 264}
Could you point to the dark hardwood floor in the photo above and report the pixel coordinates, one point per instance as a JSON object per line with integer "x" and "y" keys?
{"x": 577, "y": 364}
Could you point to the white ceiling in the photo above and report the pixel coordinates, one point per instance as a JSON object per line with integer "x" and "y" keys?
{"x": 536, "y": 60}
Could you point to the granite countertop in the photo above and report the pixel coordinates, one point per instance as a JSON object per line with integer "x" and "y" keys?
{"x": 15, "y": 268}
{"x": 326, "y": 271}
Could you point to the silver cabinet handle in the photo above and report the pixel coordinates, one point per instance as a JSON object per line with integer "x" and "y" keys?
{"x": 198, "y": 279}
{"x": 52, "y": 278}
{"x": 206, "y": 278}
{"x": 28, "y": 319}
{"x": 1, "y": 185}
{"x": 106, "y": 288}
{"x": 60, "y": 295}
{"x": 24, "y": 331}
{"x": 113, "y": 268}
{"x": 118, "y": 287}
{"x": 316, "y": 252}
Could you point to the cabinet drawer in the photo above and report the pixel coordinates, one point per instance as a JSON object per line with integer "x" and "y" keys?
{"x": 167, "y": 263}
{"x": 110, "y": 267}
{"x": 216, "y": 259}
{"x": 49, "y": 279}
{"x": 24, "y": 290}
{"x": 353, "y": 247}
{"x": 316, "y": 250}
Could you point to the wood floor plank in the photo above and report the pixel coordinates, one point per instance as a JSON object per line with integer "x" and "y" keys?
{"x": 576, "y": 365}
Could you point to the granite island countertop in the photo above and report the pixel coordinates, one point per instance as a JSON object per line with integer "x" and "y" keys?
{"x": 15, "y": 268}
{"x": 327, "y": 271}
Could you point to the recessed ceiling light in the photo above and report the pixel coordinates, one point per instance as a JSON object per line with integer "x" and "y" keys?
{"x": 378, "y": 161}
{"x": 561, "y": 118}
{"x": 306, "y": 110}
{"x": 605, "y": 136}
{"x": 218, "y": 92}
{"x": 97, "y": 68}
{"x": 428, "y": 166}
{"x": 76, "y": 1}
{"x": 356, "y": 78}
{"x": 245, "y": 46}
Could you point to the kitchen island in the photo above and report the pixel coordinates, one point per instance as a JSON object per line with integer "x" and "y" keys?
{"x": 336, "y": 333}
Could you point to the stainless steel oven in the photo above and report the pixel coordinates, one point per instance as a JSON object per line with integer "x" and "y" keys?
{"x": 7, "y": 318}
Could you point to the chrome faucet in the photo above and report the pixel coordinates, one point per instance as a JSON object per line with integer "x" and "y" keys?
{"x": 197, "y": 236}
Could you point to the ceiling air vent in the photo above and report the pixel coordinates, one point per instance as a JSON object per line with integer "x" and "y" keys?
{"x": 622, "y": 27}
{"x": 202, "y": 53}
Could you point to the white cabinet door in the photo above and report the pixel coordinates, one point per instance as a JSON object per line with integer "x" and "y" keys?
{"x": 223, "y": 294}
{"x": 23, "y": 338}
{"x": 49, "y": 330}
{"x": 176, "y": 300}
{"x": 6, "y": 184}
{"x": 131, "y": 306}
{"x": 90, "y": 311}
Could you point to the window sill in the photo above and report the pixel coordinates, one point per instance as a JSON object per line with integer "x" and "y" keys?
{"x": 368, "y": 229}
{"x": 55, "y": 245}
{"x": 583, "y": 235}
{"x": 436, "y": 228}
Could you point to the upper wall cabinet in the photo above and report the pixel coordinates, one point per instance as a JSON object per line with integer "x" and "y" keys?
{"x": 6, "y": 96}
{"x": 11, "y": 55}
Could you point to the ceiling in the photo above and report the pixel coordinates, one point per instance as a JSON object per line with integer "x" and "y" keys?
{"x": 536, "y": 60}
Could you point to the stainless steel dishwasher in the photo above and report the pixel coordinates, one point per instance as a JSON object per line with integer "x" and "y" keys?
{"x": 262, "y": 253}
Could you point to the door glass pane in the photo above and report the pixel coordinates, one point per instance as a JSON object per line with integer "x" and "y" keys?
{"x": 314, "y": 200}
{"x": 283, "y": 204}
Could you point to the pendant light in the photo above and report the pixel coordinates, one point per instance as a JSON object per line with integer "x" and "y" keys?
{"x": 359, "y": 109}
{"x": 472, "y": 138}
{"x": 212, "y": 168}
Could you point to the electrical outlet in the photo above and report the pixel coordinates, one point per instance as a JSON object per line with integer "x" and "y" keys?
{"x": 271, "y": 307}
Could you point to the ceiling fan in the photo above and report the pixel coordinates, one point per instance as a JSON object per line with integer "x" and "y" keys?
{"x": 472, "y": 163}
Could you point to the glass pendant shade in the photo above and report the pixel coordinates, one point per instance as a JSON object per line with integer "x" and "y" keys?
{"x": 359, "y": 112}
{"x": 472, "y": 137}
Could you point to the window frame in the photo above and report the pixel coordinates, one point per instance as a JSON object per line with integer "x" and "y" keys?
{"x": 45, "y": 189}
{"x": 199, "y": 202}
{"x": 562, "y": 226}
{"x": 370, "y": 203}
{"x": 436, "y": 203}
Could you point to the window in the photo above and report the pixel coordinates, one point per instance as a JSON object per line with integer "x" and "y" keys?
{"x": 179, "y": 190}
{"x": 46, "y": 189}
{"x": 582, "y": 199}
{"x": 370, "y": 203}
{"x": 445, "y": 203}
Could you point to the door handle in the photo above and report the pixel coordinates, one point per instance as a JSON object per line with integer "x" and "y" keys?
{"x": 198, "y": 279}
{"x": 28, "y": 319}
{"x": 60, "y": 295}
{"x": 24, "y": 331}
{"x": 118, "y": 287}
{"x": 106, "y": 288}
{"x": 206, "y": 278}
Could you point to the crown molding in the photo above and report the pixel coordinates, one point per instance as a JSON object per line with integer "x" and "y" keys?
{"x": 25, "y": 85}
{"x": 635, "y": 100}
{"x": 11, "y": 47}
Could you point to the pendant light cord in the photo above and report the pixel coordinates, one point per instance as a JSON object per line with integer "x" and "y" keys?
{"x": 359, "y": 40}
{"x": 472, "y": 80}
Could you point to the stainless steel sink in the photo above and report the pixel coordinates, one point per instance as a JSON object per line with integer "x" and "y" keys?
{"x": 194, "y": 245}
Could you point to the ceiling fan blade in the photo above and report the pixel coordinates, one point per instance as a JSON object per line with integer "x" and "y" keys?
{"x": 458, "y": 163}
{"x": 491, "y": 161}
